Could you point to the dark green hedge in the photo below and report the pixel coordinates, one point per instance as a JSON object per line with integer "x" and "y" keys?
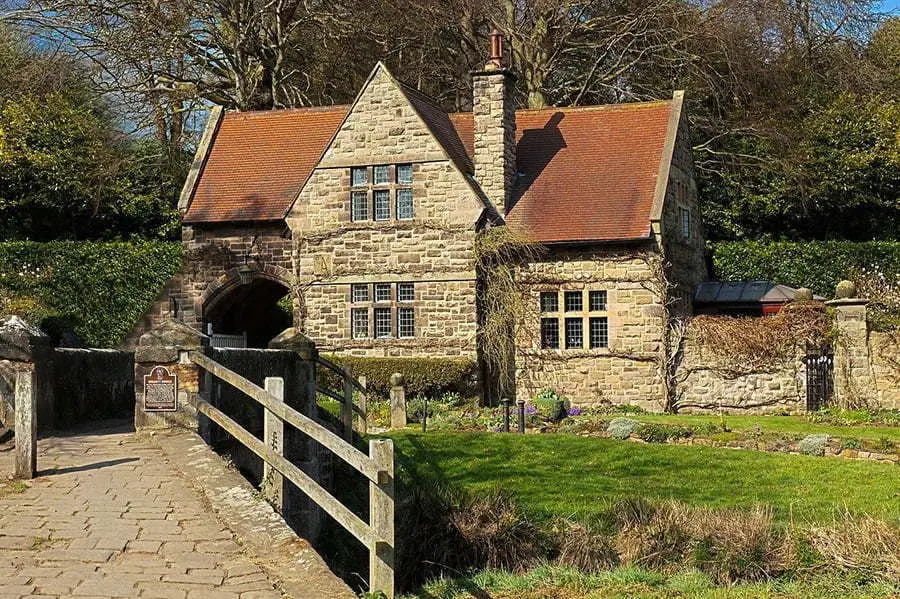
{"x": 97, "y": 289}
{"x": 818, "y": 265}
{"x": 424, "y": 376}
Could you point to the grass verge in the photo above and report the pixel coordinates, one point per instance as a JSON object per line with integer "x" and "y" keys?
{"x": 567, "y": 475}
{"x": 556, "y": 582}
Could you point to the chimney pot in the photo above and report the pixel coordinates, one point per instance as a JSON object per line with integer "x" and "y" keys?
{"x": 496, "y": 58}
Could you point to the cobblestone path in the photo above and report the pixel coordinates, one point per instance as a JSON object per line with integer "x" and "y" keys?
{"x": 109, "y": 517}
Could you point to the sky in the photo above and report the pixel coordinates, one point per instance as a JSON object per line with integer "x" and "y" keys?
{"x": 891, "y": 6}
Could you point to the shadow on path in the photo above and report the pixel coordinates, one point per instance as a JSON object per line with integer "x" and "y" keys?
{"x": 94, "y": 466}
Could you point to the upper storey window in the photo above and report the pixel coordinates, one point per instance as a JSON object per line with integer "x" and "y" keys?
{"x": 381, "y": 193}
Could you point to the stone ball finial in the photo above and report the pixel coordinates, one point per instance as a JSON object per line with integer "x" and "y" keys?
{"x": 804, "y": 294}
{"x": 845, "y": 289}
{"x": 397, "y": 380}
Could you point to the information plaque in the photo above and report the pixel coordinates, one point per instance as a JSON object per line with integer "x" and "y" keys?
{"x": 160, "y": 390}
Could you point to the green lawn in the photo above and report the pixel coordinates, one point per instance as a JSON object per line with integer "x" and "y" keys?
{"x": 798, "y": 425}
{"x": 567, "y": 474}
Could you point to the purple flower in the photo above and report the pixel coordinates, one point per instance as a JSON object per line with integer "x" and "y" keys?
{"x": 574, "y": 411}
{"x": 530, "y": 410}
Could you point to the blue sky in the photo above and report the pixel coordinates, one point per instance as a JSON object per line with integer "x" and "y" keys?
{"x": 891, "y": 5}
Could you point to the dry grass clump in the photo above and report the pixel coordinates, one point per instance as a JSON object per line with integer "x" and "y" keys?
{"x": 728, "y": 545}
{"x": 584, "y": 546}
{"x": 442, "y": 529}
{"x": 862, "y": 545}
{"x": 497, "y": 532}
{"x": 748, "y": 344}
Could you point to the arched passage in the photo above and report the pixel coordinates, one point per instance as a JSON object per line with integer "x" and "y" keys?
{"x": 248, "y": 302}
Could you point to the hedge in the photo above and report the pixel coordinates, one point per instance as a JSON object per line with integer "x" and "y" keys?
{"x": 819, "y": 265}
{"x": 99, "y": 290}
{"x": 431, "y": 377}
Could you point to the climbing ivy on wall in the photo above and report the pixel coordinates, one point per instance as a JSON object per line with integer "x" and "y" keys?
{"x": 96, "y": 290}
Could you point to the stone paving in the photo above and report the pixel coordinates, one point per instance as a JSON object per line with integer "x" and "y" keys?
{"x": 109, "y": 516}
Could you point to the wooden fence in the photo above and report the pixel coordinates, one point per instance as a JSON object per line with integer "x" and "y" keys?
{"x": 345, "y": 397}
{"x": 378, "y": 534}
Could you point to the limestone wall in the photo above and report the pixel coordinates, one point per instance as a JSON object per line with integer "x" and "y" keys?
{"x": 627, "y": 371}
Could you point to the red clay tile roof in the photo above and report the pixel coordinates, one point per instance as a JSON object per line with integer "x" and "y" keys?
{"x": 258, "y": 162}
{"x": 587, "y": 174}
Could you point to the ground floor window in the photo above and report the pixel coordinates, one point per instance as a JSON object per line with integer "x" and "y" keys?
{"x": 582, "y": 323}
{"x": 382, "y": 310}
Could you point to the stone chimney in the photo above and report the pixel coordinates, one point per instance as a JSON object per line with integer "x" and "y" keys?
{"x": 494, "y": 113}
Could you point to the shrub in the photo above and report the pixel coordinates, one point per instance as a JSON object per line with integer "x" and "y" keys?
{"x": 424, "y": 376}
{"x": 850, "y": 443}
{"x": 660, "y": 433}
{"x": 814, "y": 444}
{"x": 99, "y": 290}
{"x": 622, "y": 428}
{"x": 550, "y": 405}
{"x": 819, "y": 265}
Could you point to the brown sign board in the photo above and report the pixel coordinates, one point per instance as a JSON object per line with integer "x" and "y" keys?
{"x": 160, "y": 390}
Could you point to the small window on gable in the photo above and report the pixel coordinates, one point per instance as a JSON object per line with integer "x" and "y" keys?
{"x": 685, "y": 223}
{"x": 381, "y": 175}
{"x": 359, "y": 205}
{"x": 404, "y": 173}
{"x": 382, "y": 204}
{"x": 359, "y": 176}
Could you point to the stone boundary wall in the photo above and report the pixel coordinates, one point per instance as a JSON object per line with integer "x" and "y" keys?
{"x": 74, "y": 386}
{"x": 88, "y": 384}
{"x": 884, "y": 354}
{"x": 705, "y": 385}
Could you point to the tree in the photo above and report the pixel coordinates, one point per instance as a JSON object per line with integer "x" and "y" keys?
{"x": 64, "y": 171}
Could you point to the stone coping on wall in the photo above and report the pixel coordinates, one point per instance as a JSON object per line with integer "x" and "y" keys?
{"x": 847, "y": 454}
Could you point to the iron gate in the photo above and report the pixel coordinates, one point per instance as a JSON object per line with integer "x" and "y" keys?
{"x": 819, "y": 377}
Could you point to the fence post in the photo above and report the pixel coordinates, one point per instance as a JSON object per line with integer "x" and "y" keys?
{"x": 26, "y": 425}
{"x": 347, "y": 406}
{"x": 273, "y": 435}
{"x": 381, "y": 518}
{"x": 398, "y": 401}
{"x": 363, "y": 407}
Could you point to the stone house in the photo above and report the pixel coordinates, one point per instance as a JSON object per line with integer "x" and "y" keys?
{"x": 366, "y": 216}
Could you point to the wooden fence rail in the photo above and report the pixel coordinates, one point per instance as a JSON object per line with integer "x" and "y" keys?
{"x": 378, "y": 466}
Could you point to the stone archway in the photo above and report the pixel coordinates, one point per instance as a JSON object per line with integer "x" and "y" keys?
{"x": 245, "y": 300}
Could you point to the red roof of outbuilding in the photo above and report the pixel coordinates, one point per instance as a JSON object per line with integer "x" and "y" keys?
{"x": 585, "y": 174}
{"x": 259, "y": 161}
